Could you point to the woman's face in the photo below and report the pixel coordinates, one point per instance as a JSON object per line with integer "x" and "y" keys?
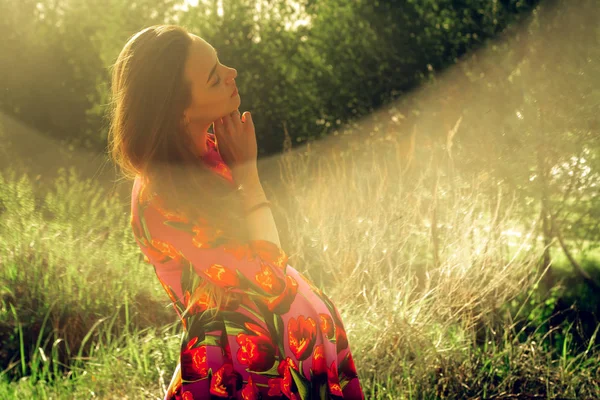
{"x": 212, "y": 84}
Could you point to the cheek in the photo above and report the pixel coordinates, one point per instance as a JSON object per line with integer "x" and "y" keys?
{"x": 207, "y": 101}
{"x": 215, "y": 104}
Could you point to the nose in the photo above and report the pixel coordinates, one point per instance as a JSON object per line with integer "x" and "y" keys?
{"x": 233, "y": 74}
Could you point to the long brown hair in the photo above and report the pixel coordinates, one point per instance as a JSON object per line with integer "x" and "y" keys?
{"x": 148, "y": 136}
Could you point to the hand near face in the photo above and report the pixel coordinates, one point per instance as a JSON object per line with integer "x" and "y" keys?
{"x": 236, "y": 141}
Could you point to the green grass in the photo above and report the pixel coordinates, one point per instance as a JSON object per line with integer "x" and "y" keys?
{"x": 82, "y": 316}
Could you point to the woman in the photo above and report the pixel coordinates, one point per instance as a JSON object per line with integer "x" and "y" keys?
{"x": 254, "y": 327}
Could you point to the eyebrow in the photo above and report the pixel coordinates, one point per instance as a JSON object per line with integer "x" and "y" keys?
{"x": 212, "y": 71}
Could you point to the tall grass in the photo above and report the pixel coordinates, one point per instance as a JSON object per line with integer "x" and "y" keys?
{"x": 436, "y": 300}
{"x": 360, "y": 226}
{"x": 72, "y": 283}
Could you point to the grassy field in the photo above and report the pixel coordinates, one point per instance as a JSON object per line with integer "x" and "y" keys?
{"x": 83, "y": 316}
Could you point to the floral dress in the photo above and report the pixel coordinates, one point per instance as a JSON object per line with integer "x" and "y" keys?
{"x": 279, "y": 337}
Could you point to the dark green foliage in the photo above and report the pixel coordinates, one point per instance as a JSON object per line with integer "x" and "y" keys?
{"x": 354, "y": 57}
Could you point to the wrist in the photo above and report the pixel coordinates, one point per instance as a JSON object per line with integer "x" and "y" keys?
{"x": 246, "y": 175}
{"x": 260, "y": 204}
{"x": 252, "y": 195}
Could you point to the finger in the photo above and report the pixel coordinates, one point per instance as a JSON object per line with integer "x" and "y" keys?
{"x": 235, "y": 114}
{"x": 228, "y": 124}
{"x": 247, "y": 119}
{"x": 237, "y": 122}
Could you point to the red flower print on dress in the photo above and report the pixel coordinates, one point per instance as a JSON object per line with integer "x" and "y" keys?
{"x": 256, "y": 351}
{"x": 203, "y": 237}
{"x": 250, "y": 390}
{"x": 268, "y": 281}
{"x": 269, "y": 252}
{"x": 333, "y": 380}
{"x": 159, "y": 250}
{"x": 322, "y": 373}
{"x": 281, "y": 304}
{"x": 226, "y": 381}
{"x": 319, "y": 365}
{"x": 169, "y": 215}
{"x": 222, "y": 274}
{"x": 302, "y": 335}
{"x": 340, "y": 338}
{"x": 238, "y": 250}
{"x": 187, "y": 396}
{"x": 347, "y": 367}
{"x": 194, "y": 365}
{"x": 201, "y": 304}
{"x": 326, "y": 325}
{"x": 285, "y": 385}
{"x": 204, "y": 302}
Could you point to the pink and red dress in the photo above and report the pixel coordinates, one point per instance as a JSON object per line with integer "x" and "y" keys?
{"x": 280, "y": 337}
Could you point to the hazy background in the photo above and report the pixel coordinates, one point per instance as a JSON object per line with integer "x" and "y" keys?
{"x": 433, "y": 164}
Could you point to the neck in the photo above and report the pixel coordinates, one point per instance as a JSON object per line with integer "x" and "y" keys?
{"x": 199, "y": 132}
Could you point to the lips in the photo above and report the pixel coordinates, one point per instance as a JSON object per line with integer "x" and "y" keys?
{"x": 234, "y": 92}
